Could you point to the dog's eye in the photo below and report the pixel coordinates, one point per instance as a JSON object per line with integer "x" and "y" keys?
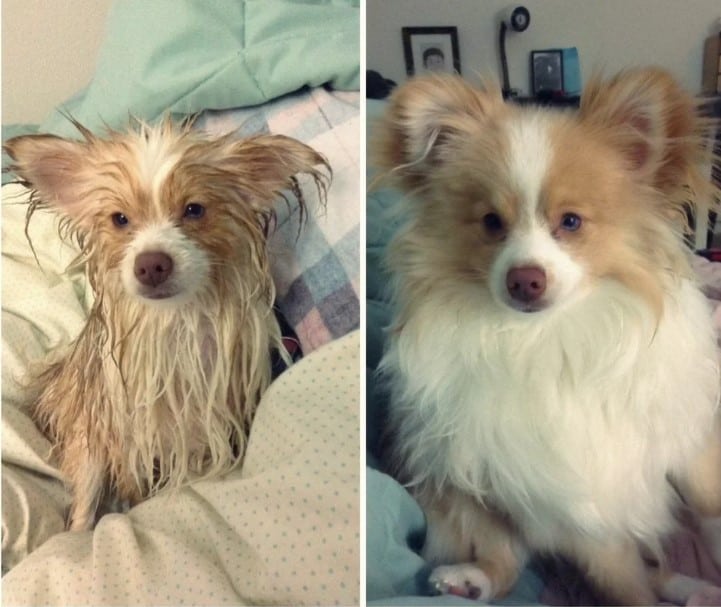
{"x": 571, "y": 222}
{"x": 194, "y": 210}
{"x": 493, "y": 223}
{"x": 120, "y": 220}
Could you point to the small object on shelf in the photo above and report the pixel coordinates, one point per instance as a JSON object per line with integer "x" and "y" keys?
{"x": 517, "y": 20}
{"x": 555, "y": 73}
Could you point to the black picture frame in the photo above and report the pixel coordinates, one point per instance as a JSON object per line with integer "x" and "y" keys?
{"x": 429, "y": 49}
{"x": 547, "y": 72}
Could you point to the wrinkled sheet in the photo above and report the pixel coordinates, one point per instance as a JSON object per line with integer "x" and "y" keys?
{"x": 283, "y": 529}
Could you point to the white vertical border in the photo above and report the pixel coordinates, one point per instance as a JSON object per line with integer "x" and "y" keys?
{"x": 363, "y": 189}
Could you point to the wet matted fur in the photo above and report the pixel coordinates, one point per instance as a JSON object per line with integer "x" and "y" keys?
{"x": 160, "y": 387}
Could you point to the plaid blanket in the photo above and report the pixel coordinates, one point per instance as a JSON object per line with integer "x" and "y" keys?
{"x": 317, "y": 272}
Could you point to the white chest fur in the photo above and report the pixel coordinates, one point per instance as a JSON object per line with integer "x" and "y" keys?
{"x": 572, "y": 417}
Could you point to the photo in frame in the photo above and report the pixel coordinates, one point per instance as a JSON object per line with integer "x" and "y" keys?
{"x": 431, "y": 49}
{"x": 547, "y": 72}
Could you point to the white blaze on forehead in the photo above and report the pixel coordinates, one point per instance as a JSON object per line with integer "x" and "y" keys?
{"x": 530, "y": 241}
{"x": 157, "y": 156}
{"x": 529, "y": 155}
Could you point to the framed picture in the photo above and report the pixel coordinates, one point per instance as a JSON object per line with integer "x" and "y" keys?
{"x": 547, "y": 72}
{"x": 431, "y": 49}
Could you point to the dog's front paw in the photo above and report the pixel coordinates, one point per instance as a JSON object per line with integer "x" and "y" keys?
{"x": 465, "y": 580}
{"x": 710, "y": 595}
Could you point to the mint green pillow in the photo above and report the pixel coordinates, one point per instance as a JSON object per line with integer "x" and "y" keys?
{"x": 185, "y": 56}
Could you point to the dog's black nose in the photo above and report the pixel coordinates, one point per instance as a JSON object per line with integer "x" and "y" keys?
{"x": 153, "y": 268}
{"x": 526, "y": 284}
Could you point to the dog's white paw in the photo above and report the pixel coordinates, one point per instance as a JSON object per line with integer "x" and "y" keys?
{"x": 710, "y": 595}
{"x": 465, "y": 580}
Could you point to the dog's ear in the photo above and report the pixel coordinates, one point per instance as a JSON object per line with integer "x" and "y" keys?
{"x": 268, "y": 165}
{"x": 423, "y": 118}
{"x": 651, "y": 120}
{"x": 49, "y": 165}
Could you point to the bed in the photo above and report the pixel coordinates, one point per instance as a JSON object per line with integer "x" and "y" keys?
{"x": 396, "y": 573}
{"x": 283, "y": 528}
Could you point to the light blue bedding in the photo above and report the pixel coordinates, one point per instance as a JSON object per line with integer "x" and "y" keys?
{"x": 185, "y": 56}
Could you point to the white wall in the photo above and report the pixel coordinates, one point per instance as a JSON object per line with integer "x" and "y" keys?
{"x": 49, "y": 49}
{"x": 609, "y": 34}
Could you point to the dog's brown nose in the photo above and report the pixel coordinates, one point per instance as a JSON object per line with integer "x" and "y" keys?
{"x": 526, "y": 284}
{"x": 153, "y": 268}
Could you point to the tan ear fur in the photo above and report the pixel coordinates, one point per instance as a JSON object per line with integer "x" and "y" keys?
{"x": 269, "y": 164}
{"x": 50, "y": 165}
{"x": 424, "y": 114}
{"x": 653, "y": 121}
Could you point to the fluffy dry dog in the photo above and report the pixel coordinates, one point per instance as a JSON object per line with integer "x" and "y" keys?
{"x": 162, "y": 384}
{"x": 553, "y": 366}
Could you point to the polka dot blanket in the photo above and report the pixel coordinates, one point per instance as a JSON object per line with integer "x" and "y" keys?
{"x": 283, "y": 530}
